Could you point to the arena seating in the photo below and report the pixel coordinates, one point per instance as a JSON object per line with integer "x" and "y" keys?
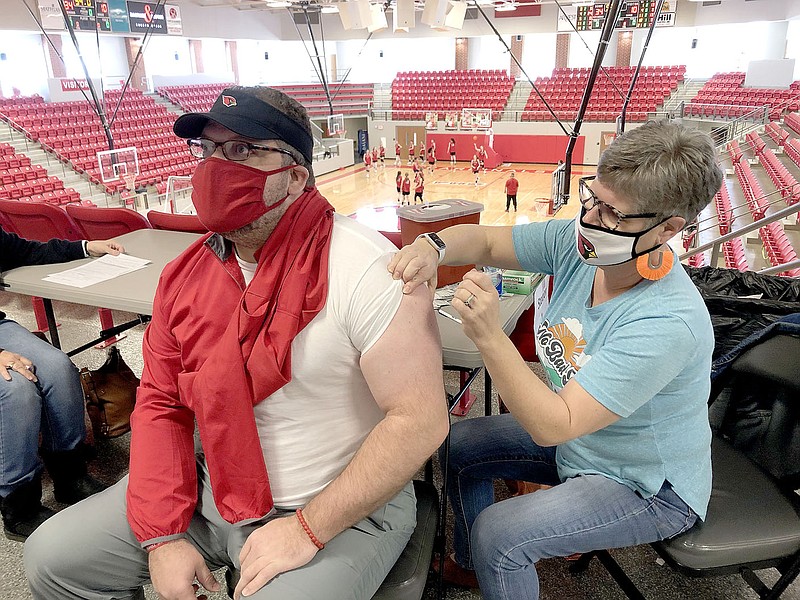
{"x": 733, "y": 252}
{"x": 193, "y": 98}
{"x": 726, "y": 90}
{"x": 19, "y": 180}
{"x": 347, "y": 98}
{"x": 792, "y": 121}
{"x": 722, "y": 202}
{"x": 564, "y": 90}
{"x": 784, "y": 181}
{"x": 72, "y": 132}
{"x": 415, "y": 93}
{"x": 777, "y": 133}
{"x": 777, "y": 246}
{"x": 792, "y": 148}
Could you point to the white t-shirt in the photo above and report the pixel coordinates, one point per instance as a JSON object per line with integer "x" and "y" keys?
{"x": 311, "y": 428}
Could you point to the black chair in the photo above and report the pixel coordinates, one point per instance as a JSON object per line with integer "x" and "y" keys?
{"x": 407, "y": 579}
{"x": 753, "y": 519}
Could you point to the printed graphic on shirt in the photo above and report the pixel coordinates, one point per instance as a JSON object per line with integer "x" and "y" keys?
{"x": 561, "y": 349}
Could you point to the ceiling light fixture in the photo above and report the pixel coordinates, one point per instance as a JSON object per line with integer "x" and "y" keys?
{"x": 278, "y": 4}
{"x": 330, "y": 9}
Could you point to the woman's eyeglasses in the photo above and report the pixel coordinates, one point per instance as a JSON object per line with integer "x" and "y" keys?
{"x": 610, "y": 217}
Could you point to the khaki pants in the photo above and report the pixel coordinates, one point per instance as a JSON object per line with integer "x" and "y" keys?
{"x": 88, "y": 551}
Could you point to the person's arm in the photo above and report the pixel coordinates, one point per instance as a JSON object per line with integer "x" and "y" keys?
{"x": 162, "y": 487}
{"x": 415, "y": 424}
{"x": 466, "y": 244}
{"x": 98, "y": 248}
{"x": 550, "y": 418}
{"x": 19, "y": 252}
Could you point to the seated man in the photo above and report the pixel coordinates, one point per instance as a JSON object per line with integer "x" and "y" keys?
{"x": 40, "y": 393}
{"x": 278, "y": 335}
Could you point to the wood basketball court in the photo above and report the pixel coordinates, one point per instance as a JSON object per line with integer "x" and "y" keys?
{"x": 349, "y": 189}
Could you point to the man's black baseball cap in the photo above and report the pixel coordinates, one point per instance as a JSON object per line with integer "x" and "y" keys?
{"x": 242, "y": 112}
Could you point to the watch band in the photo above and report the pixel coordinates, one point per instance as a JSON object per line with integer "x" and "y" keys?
{"x": 437, "y": 243}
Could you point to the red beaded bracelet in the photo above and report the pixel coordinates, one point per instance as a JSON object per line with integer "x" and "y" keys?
{"x": 307, "y": 529}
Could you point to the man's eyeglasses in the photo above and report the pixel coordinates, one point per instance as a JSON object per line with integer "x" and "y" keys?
{"x": 236, "y": 150}
{"x": 610, "y": 217}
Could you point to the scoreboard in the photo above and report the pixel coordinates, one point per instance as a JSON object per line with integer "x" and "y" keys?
{"x": 634, "y": 14}
{"x": 88, "y": 15}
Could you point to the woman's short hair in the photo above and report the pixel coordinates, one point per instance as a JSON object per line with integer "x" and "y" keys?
{"x": 662, "y": 167}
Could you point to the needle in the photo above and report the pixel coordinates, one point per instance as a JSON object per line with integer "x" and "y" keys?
{"x": 444, "y": 313}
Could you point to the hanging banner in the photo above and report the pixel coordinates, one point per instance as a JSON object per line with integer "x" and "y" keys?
{"x": 144, "y": 17}
{"x": 173, "y": 14}
{"x": 51, "y": 16}
{"x": 118, "y": 13}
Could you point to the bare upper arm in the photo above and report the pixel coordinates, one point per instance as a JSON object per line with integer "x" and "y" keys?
{"x": 404, "y": 367}
{"x": 586, "y": 414}
{"x": 500, "y": 243}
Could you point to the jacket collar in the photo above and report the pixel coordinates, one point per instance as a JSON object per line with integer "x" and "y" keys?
{"x": 220, "y": 246}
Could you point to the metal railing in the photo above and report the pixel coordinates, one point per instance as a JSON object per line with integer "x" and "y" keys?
{"x": 715, "y": 244}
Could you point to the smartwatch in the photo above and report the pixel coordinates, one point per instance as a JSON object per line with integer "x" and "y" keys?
{"x": 437, "y": 243}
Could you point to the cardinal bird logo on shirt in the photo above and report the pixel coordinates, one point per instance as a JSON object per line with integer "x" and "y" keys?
{"x": 229, "y": 101}
{"x": 586, "y": 248}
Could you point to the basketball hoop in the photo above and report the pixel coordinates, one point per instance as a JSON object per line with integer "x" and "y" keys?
{"x": 542, "y": 207}
{"x": 129, "y": 180}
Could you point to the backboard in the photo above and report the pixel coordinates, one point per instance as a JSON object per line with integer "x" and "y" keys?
{"x": 120, "y": 164}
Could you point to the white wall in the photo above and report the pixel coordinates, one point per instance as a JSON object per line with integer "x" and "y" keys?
{"x": 215, "y": 58}
{"x": 579, "y": 55}
{"x": 720, "y": 48}
{"x": 487, "y": 52}
{"x": 109, "y": 61}
{"x": 539, "y": 55}
{"x": 793, "y": 45}
{"x": 432, "y": 54}
{"x": 24, "y": 66}
{"x": 160, "y": 56}
{"x": 288, "y": 62}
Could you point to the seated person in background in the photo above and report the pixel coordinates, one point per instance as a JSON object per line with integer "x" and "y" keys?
{"x": 40, "y": 392}
{"x": 621, "y": 432}
{"x": 278, "y": 335}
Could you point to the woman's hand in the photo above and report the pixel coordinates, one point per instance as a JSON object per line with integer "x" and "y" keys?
{"x": 478, "y": 304}
{"x": 415, "y": 264}
{"x": 100, "y": 247}
{"x": 11, "y": 361}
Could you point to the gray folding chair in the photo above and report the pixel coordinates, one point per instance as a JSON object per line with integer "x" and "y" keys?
{"x": 753, "y": 519}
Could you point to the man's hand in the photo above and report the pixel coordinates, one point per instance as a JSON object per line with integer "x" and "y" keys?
{"x": 11, "y": 361}
{"x": 279, "y": 546}
{"x": 173, "y": 568}
{"x": 415, "y": 264}
{"x": 101, "y": 247}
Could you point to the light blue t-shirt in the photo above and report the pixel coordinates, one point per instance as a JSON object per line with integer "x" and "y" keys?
{"x": 645, "y": 355}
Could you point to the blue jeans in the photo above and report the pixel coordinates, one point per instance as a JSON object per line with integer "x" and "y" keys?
{"x": 52, "y": 406}
{"x": 503, "y": 541}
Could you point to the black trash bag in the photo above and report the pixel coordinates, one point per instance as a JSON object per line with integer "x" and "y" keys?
{"x": 734, "y": 316}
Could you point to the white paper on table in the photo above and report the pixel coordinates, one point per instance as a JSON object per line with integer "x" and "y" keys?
{"x": 101, "y": 269}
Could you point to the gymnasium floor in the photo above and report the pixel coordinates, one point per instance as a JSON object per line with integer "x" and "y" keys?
{"x": 350, "y": 190}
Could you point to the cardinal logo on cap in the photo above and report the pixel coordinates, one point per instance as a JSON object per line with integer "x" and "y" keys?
{"x": 229, "y": 101}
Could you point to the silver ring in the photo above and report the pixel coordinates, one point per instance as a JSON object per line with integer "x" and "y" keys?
{"x": 468, "y": 300}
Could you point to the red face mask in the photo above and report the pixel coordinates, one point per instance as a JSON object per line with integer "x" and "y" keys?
{"x": 229, "y": 195}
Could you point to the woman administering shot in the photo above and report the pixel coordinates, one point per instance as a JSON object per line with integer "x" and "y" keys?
{"x": 620, "y": 430}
